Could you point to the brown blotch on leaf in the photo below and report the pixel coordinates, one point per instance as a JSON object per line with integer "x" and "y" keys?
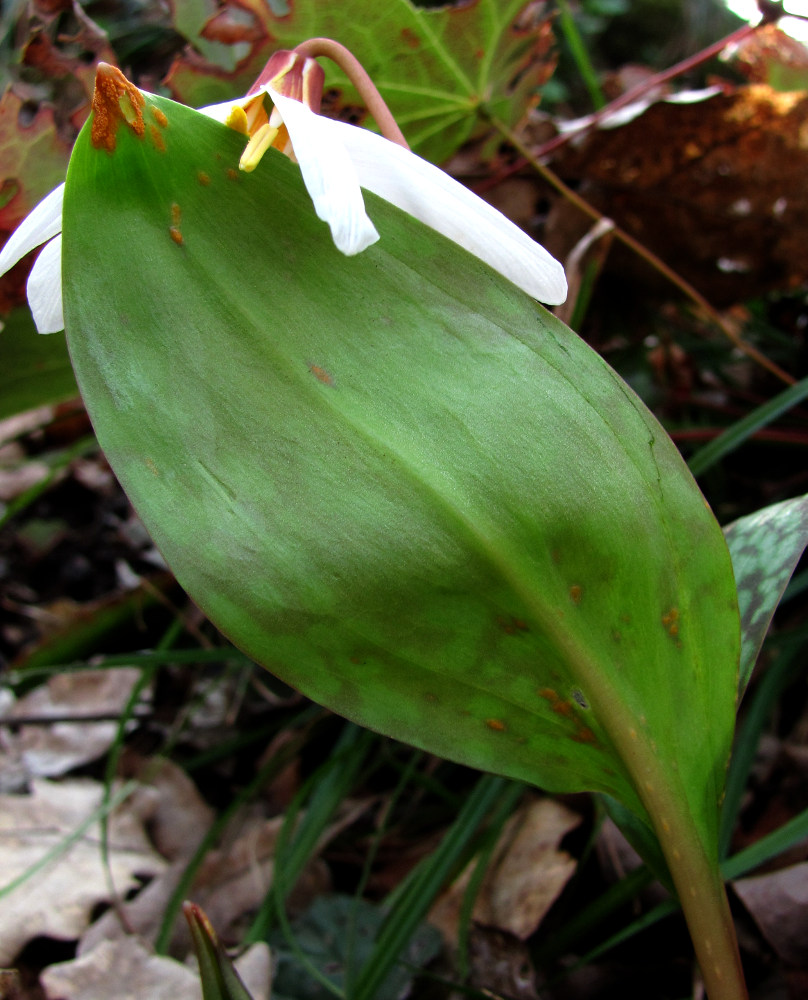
{"x": 510, "y": 626}
{"x": 322, "y": 375}
{"x": 157, "y": 138}
{"x": 670, "y": 621}
{"x": 410, "y": 39}
{"x": 115, "y": 100}
{"x": 496, "y": 724}
{"x": 174, "y": 230}
{"x": 203, "y": 178}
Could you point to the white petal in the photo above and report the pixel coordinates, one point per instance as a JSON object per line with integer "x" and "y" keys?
{"x": 41, "y": 224}
{"x": 45, "y": 288}
{"x": 444, "y": 204}
{"x": 328, "y": 174}
{"x": 221, "y": 111}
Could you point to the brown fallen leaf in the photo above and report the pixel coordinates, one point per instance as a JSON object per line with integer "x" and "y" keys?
{"x": 526, "y": 874}
{"x": 715, "y": 187}
{"x": 778, "y": 903}
{"x": 128, "y": 970}
{"x": 169, "y": 802}
{"x": 48, "y": 749}
{"x": 57, "y": 900}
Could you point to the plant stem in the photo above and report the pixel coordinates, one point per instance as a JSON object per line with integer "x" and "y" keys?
{"x": 642, "y": 251}
{"x": 357, "y": 74}
{"x": 695, "y": 873}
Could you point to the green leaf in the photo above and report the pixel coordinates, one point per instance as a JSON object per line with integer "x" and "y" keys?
{"x": 706, "y": 457}
{"x": 396, "y": 481}
{"x": 220, "y": 981}
{"x": 337, "y": 934}
{"x": 34, "y": 370}
{"x": 765, "y": 548}
{"x": 442, "y": 72}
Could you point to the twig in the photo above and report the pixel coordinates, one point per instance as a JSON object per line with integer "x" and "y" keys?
{"x": 642, "y": 251}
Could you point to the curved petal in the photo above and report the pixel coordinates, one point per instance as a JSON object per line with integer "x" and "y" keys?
{"x": 43, "y": 223}
{"x": 45, "y": 288}
{"x": 328, "y": 174}
{"x": 220, "y": 112}
{"x": 444, "y": 204}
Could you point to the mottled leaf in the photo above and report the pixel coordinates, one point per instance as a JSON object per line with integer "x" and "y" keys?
{"x": 765, "y": 548}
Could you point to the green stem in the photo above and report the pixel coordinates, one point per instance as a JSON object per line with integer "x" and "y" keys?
{"x": 695, "y": 874}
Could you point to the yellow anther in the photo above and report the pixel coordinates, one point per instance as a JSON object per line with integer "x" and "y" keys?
{"x": 237, "y": 120}
{"x": 258, "y": 145}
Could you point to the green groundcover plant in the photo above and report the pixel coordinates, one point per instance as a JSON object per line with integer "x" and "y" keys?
{"x": 319, "y": 368}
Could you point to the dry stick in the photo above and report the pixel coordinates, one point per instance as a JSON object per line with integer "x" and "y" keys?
{"x": 356, "y": 73}
{"x": 648, "y": 85}
{"x": 642, "y": 251}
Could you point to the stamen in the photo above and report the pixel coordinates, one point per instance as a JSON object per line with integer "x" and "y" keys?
{"x": 237, "y": 120}
{"x": 258, "y": 145}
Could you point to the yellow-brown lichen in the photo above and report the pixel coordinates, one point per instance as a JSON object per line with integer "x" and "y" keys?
{"x": 115, "y": 100}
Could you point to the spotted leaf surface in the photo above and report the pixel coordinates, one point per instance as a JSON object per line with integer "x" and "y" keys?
{"x": 395, "y": 480}
{"x": 765, "y": 548}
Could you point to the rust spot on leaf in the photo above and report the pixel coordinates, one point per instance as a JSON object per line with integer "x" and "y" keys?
{"x": 575, "y": 593}
{"x": 174, "y": 229}
{"x": 496, "y": 724}
{"x": 322, "y": 375}
{"x": 510, "y": 626}
{"x": 670, "y": 622}
{"x": 564, "y": 708}
{"x": 410, "y": 39}
{"x": 115, "y": 100}
{"x": 158, "y": 116}
{"x": 157, "y": 139}
{"x": 203, "y": 178}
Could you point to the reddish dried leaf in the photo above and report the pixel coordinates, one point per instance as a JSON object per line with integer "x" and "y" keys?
{"x": 716, "y": 188}
{"x": 771, "y": 56}
{"x": 33, "y": 159}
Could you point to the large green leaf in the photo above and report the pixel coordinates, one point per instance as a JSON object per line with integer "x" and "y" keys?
{"x": 34, "y": 370}
{"x": 395, "y": 480}
{"x": 443, "y": 72}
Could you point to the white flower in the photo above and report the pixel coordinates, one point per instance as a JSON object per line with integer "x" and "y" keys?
{"x": 43, "y": 224}
{"x": 336, "y": 161}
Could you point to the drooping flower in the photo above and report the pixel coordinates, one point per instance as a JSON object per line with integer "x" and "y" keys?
{"x": 337, "y": 161}
{"x": 42, "y": 225}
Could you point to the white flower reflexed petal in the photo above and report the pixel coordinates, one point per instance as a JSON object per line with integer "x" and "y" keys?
{"x": 45, "y": 288}
{"x": 220, "y": 112}
{"x": 42, "y": 224}
{"x": 438, "y": 200}
{"x": 328, "y": 174}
